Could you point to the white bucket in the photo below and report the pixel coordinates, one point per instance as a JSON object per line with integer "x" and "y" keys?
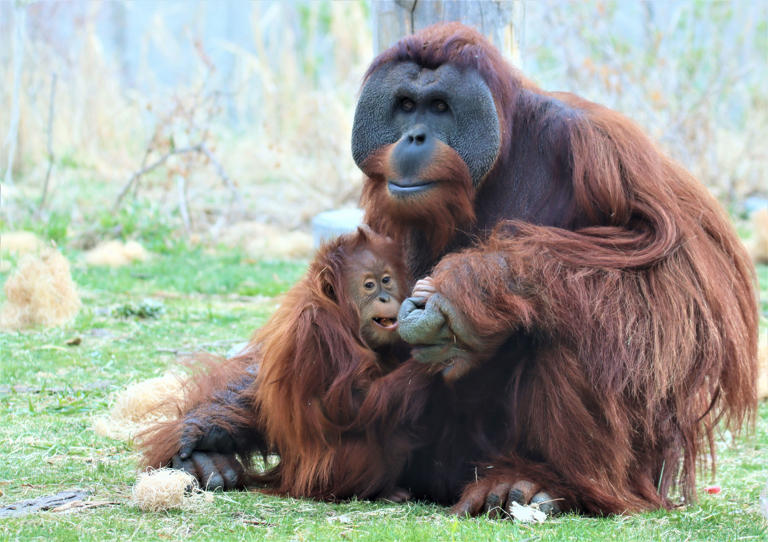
{"x": 330, "y": 224}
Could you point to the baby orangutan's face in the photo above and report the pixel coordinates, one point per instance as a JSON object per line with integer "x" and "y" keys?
{"x": 372, "y": 284}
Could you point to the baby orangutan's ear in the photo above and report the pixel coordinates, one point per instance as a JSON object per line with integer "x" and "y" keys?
{"x": 327, "y": 286}
{"x": 365, "y": 232}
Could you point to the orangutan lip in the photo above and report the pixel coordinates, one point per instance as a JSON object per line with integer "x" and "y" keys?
{"x": 408, "y": 189}
{"x": 386, "y": 323}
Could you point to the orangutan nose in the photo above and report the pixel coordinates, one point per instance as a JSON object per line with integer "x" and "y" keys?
{"x": 412, "y": 153}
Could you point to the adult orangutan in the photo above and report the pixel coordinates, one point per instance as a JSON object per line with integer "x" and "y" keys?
{"x": 591, "y": 308}
{"x": 323, "y": 385}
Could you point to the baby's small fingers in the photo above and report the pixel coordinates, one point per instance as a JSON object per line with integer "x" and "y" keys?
{"x": 424, "y": 288}
{"x": 423, "y": 293}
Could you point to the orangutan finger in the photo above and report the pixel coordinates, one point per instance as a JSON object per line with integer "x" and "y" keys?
{"x": 190, "y": 436}
{"x": 216, "y": 439}
{"x": 424, "y": 288}
{"x": 431, "y": 355}
{"x": 423, "y": 326}
{"x": 230, "y": 470}
{"x": 207, "y": 473}
{"x": 186, "y": 465}
{"x": 423, "y": 293}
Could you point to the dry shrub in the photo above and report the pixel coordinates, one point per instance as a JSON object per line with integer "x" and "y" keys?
{"x": 140, "y": 405}
{"x": 40, "y": 292}
{"x": 164, "y": 489}
{"x": 116, "y": 253}
{"x": 263, "y": 241}
{"x": 20, "y": 242}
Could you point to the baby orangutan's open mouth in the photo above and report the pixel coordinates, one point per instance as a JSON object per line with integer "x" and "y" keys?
{"x": 388, "y": 322}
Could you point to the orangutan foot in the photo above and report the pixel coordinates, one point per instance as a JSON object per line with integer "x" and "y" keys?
{"x": 397, "y": 494}
{"x": 495, "y": 498}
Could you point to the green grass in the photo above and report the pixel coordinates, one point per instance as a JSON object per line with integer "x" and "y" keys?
{"x": 209, "y": 301}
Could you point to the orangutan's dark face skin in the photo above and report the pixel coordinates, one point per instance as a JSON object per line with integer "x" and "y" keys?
{"x": 418, "y": 110}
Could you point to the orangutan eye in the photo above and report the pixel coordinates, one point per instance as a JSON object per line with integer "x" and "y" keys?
{"x": 369, "y": 285}
{"x": 386, "y": 279}
{"x": 439, "y": 106}
{"x": 407, "y": 105}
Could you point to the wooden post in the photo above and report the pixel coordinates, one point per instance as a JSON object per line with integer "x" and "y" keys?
{"x": 19, "y": 36}
{"x": 498, "y": 20}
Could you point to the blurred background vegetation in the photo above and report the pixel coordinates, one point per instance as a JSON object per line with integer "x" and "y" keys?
{"x": 176, "y": 119}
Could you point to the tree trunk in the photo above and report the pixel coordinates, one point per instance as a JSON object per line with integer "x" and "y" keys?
{"x": 499, "y": 20}
{"x": 12, "y": 139}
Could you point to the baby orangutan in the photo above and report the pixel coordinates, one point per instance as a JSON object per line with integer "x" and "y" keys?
{"x": 324, "y": 385}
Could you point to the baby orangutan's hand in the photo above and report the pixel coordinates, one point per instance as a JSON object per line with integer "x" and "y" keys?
{"x": 424, "y": 289}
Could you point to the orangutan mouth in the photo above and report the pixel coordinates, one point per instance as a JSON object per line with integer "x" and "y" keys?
{"x": 385, "y": 322}
{"x": 407, "y": 187}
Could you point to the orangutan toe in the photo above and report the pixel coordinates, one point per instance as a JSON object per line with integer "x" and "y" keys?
{"x": 462, "y": 509}
{"x": 398, "y": 494}
{"x": 472, "y": 501}
{"x": 521, "y": 492}
{"x": 496, "y": 499}
{"x": 545, "y": 503}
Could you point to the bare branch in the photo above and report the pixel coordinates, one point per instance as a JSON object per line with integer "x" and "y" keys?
{"x": 181, "y": 187}
{"x": 717, "y": 82}
{"x": 182, "y": 121}
{"x": 51, "y": 112}
{"x": 147, "y": 169}
{"x": 223, "y": 175}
